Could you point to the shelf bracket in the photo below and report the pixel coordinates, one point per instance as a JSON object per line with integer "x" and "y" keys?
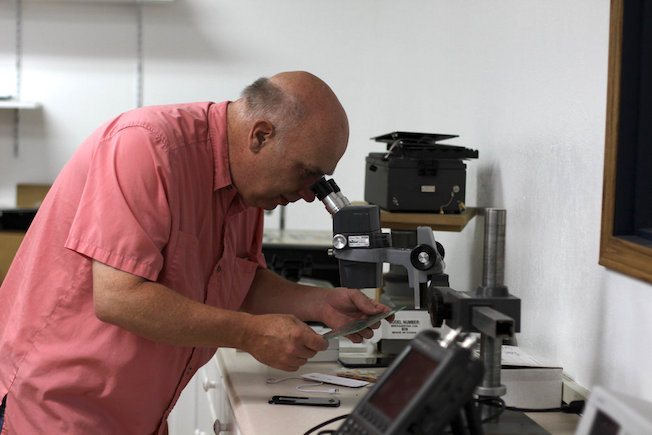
{"x": 19, "y": 68}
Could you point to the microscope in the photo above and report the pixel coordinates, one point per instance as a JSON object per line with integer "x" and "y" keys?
{"x": 490, "y": 311}
{"x": 362, "y": 249}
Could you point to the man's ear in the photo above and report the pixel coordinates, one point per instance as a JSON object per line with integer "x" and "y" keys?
{"x": 261, "y": 132}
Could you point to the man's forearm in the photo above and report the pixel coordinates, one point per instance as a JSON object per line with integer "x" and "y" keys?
{"x": 160, "y": 314}
{"x": 271, "y": 293}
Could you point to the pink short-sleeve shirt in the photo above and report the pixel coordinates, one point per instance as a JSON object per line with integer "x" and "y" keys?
{"x": 149, "y": 193}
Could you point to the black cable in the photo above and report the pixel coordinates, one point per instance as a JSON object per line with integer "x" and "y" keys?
{"x": 495, "y": 402}
{"x": 575, "y": 407}
{"x": 326, "y": 423}
{"x": 514, "y": 408}
{"x": 490, "y": 401}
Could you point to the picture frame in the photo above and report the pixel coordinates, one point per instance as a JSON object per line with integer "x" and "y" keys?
{"x": 625, "y": 243}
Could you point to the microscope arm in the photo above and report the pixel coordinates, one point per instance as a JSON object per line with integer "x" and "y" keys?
{"x": 389, "y": 255}
{"x": 420, "y": 262}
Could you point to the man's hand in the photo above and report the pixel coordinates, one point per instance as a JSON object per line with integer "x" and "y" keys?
{"x": 281, "y": 341}
{"x": 345, "y": 305}
{"x": 271, "y": 293}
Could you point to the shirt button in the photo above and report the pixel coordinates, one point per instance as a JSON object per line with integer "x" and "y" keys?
{"x": 229, "y": 187}
{"x": 218, "y": 269}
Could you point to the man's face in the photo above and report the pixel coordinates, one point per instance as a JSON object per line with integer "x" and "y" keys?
{"x": 286, "y": 169}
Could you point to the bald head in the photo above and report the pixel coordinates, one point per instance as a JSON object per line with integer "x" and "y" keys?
{"x": 308, "y": 90}
{"x": 292, "y": 118}
{"x": 289, "y": 98}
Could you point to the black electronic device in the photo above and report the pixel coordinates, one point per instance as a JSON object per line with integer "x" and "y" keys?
{"x": 305, "y": 401}
{"x": 301, "y": 256}
{"x": 428, "y": 387}
{"x": 17, "y": 219}
{"x": 417, "y": 173}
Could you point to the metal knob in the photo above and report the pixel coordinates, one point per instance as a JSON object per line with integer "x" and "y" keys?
{"x": 208, "y": 384}
{"x": 339, "y": 241}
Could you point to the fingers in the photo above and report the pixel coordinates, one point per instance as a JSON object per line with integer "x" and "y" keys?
{"x": 366, "y": 333}
{"x": 294, "y": 357}
{"x": 366, "y": 304}
{"x": 284, "y": 342}
{"x": 350, "y": 304}
{"x": 359, "y": 336}
{"x": 303, "y": 343}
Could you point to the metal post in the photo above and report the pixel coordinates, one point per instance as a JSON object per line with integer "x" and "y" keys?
{"x": 490, "y": 353}
{"x": 493, "y": 277}
{"x": 493, "y": 270}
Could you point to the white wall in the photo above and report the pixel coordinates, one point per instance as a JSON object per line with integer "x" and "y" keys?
{"x": 524, "y": 82}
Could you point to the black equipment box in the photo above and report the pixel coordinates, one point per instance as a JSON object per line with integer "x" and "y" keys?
{"x": 417, "y": 174}
{"x": 17, "y": 219}
{"x": 301, "y": 255}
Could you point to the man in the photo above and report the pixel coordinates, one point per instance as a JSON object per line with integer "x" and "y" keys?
{"x": 146, "y": 256}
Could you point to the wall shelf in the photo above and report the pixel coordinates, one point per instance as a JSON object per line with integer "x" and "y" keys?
{"x": 18, "y": 104}
{"x": 438, "y": 222}
{"x": 107, "y": 1}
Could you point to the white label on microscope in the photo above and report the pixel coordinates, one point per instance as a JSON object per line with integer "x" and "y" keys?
{"x": 359, "y": 241}
{"x": 406, "y": 324}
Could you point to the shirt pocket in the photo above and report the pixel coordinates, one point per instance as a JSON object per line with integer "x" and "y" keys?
{"x": 230, "y": 282}
{"x": 182, "y": 271}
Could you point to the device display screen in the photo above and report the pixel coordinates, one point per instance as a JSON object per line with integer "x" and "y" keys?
{"x": 604, "y": 425}
{"x": 406, "y": 380}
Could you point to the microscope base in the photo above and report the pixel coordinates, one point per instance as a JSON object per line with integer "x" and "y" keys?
{"x": 386, "y": 351}
{"x": 513, "y": 422}
{"x": 361, "y": 362}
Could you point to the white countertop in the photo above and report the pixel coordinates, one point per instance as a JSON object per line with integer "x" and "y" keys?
{"x": 248, "y": 392}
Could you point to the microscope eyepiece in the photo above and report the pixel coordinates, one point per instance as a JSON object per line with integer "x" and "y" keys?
{"x": 328, "y": 192}
{"x": 322, "y": 188}
{"x": 334, "y": 185}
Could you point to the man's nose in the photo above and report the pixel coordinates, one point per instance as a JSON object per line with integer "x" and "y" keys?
{"x": 307, "y": 194}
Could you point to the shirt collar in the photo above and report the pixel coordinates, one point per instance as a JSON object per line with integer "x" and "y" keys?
{"x": 219, "y": 142}
{"x": 220, "y": 145}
